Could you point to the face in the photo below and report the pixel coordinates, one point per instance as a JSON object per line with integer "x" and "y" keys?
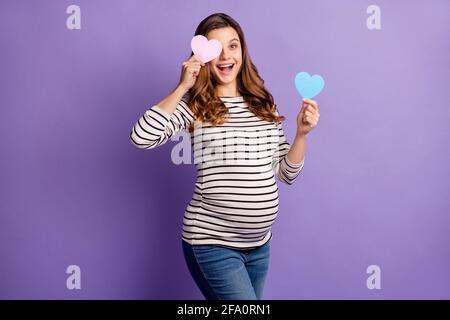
{"x": 226, "y": 66}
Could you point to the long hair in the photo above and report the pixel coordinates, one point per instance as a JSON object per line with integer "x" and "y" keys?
{"x": 203, "y": 99}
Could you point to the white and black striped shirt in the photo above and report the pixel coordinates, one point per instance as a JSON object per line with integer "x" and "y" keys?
{"x": 235, "y": 200}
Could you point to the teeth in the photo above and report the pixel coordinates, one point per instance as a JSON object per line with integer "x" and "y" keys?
{"x": 225, "y": 65}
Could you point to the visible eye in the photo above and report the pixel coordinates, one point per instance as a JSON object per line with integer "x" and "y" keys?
{"x": 234, "y": 45}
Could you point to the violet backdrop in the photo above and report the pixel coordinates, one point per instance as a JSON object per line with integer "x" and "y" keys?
{"x": 73, "y": 189}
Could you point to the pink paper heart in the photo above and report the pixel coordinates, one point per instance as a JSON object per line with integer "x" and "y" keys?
{"x": 205, "y": 50}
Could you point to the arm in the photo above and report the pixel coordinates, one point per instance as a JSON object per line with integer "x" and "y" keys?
{"x": 162, "y": 120}
{"x": 286, "y": 168}
{"x": 296, "y": 153}
{"x": 170, "y": 102}
{"x": 170, "y": 115}
{"x": 307, "y": 119}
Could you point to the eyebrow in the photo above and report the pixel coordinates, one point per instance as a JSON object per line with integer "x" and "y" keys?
{"x": 233, "y": 39}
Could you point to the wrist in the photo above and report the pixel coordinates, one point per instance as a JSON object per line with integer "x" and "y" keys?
{"x": 302, "y": 136}
{"x": 181, "y": 89}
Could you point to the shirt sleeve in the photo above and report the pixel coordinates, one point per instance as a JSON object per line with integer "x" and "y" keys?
{"x": 286, "y": 170}
{"x": 156, "y": 125}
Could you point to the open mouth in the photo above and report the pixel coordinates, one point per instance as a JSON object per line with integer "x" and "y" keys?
{"x": 225, "y": 68}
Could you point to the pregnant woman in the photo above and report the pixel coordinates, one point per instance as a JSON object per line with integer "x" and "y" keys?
{"x": 239, "y": 146}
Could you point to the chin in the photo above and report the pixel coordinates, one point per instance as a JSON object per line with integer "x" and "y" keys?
{"x": 225, "y": 81}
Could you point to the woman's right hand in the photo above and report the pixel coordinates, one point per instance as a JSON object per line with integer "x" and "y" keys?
{"x": 189, "y": 72}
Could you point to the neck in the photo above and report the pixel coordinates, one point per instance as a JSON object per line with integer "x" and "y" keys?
{"x": 228, "y": 90}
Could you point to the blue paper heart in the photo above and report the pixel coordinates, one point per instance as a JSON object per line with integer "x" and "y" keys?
{"x": 308, "y": 86}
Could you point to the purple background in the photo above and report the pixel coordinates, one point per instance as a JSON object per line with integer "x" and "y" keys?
{"x": 74, "y": 190}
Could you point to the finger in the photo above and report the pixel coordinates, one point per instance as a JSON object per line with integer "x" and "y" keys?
{"x": 194, "y": 63}
{"x": 310, "y": 113}
{"x": 195, "y": 66}
{"x": 311, "y": 108}
{"x": 311, "y": 119}
{"x": 306, "y": 105}
{"x": 312, "y": 105}
{"x": 311, "y": 122}
{"x": 306, "y": 109}
{"x": 191, "y": 67}
{"x": 311, "y": 102}
{"x": 313, "y": 113}
{"x": 195, "y": 59}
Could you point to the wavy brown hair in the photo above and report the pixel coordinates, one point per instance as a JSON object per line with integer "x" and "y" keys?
{"x": 202, "y": 97}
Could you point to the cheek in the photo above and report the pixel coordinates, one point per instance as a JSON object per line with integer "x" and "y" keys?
{"x": 240, "y": 63}
{"x": 212, "y": 63}
{"x": 239, "y": 59}
{"x": 212, "y": 69}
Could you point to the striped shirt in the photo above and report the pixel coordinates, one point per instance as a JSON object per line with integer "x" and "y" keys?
{"x": 235, "y": 200}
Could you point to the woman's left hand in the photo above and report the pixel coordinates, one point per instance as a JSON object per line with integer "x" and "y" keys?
{"x": 308, "y": 117}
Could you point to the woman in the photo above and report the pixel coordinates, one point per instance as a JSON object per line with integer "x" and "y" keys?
{"x": 239, "y": 146}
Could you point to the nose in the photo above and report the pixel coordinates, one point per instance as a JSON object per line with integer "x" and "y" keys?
{"x": 224, "y": 54}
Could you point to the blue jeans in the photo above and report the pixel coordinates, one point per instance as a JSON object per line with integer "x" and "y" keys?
{"x": 223, "y": 273}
